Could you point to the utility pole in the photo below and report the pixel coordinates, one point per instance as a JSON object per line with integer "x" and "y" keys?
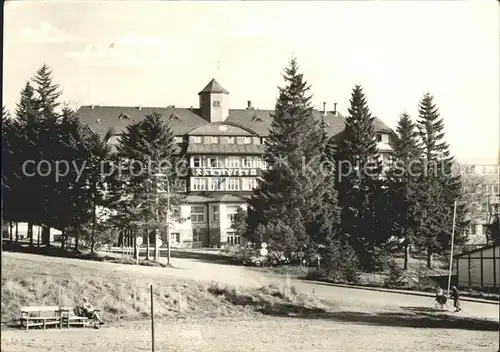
{"x": 157, "y": 211}
{"x": 168, "y": 221}
{"x": 452, "y": 240}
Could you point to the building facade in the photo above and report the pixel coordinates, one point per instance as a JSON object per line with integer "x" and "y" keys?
{"x": 224, "y": 149}
{"x": 486, "y": 204}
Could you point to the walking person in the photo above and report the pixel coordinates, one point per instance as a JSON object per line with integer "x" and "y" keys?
{"x": 455, "y": 295}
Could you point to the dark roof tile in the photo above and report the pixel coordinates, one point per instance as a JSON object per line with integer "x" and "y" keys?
{"x": 213, "y": 87}
{"x": 101, "y": 118}
{"x": 256, "y": 149}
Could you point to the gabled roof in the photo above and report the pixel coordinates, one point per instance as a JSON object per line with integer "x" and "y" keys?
{"x": 213, "y": 87}
{"x": 477, "y": 250}
{"x": 101, "y": 118}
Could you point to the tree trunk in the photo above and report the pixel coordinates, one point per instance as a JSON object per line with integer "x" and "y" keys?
{"x": 147, "y": 244}
{"x": 46, "y": 235}
{"x": 77, "y": 237}
{"x": 63, "y": 239}
{"x": 94, "y": 220}
{"x": 11, "y": 237}
{"x": 407, "y": 255}
{"x": 429, "y": 258}
{"x": 134, "y": 239}
{"x": 39, "y": 234}
{"x": 30, "y": 233}
{"x": 155, "y": 254}
{"x": 17, "y": 232}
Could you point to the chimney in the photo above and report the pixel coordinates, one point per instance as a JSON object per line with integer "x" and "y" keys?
{"x": 335, "y": 108}
{"x": 249, "y": 104}
{"x": 324, "y": 108}
{"x": 139, "y": 107}
{"x": 92, "y": 106}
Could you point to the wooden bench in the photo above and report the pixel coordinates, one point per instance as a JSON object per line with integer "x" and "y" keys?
{"x": 41, "y": 316}
{"x": 69, "y": 319}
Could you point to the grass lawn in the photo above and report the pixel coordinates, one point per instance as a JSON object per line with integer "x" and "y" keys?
{"x": 204, "y": 316}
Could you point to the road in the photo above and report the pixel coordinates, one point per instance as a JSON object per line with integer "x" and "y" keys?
{"x": 362, "y": 321}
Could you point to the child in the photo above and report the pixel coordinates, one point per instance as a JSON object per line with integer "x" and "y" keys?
{"x": 441, "y": 298}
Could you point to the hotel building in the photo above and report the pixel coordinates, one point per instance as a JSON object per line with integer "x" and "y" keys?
{"x": 224, "y": 149}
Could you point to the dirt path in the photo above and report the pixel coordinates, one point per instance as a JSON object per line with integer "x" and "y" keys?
{"x": 267, "y": 334}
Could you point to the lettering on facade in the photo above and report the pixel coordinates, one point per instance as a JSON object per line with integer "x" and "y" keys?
{"x": 225, "y": 172}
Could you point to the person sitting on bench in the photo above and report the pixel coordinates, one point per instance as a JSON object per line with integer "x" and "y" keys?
{"x": 90, "y": 311}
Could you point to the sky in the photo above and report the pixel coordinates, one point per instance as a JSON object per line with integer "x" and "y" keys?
{"x": 132, "y": 53}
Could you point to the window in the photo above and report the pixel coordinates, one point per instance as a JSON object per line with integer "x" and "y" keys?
{"x": 484, "y": 207}
{"x": 249, "y": 184}
{"x": 247, "y": 162}
{"x": 175, "y": 237}
{"x": 197, "y": 235}
{"x": 216, "y": 184}
{"x": 196, "y": 161}
{"x": 199, "y": 184}
{"x": 178, "y": 140}
{"x": 485, "y": 229}
{"x": 233, "y": 184}
{"x": 233, "y": 239}
{"x": 247, "y": 140}
{"x": 379, "y": 138}
{"x": 263, "y": 140}
{"x": 215, "y": 213}
{"x": 213, "y": 162}
{"x": 197, "y": 139}
{"x": 470, "y": 229}
{"x": 231, "y": 140}
{"x": 216, "y": 103}
{"x": 494, "y": 189}
{"x": 198, "y": 214}
{"x": 180, "y": 185}
{"x": 211, "y": 140}
{"x": 231, "y": 211}
{"x": 232, "y": 162}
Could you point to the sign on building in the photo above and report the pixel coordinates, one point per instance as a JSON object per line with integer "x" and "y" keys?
{"x": 224, "y": 172}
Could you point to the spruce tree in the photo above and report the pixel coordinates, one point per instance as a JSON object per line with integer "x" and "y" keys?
{"x": 28, "y": 130}
{"x": 48, "y": 95}
{"x": 440, "y": 186}
{"x": 361, "y": 194}
{"x": 292, "y": 191}
{"x": 149, "y": 150}
{"x": 402, "y": 182}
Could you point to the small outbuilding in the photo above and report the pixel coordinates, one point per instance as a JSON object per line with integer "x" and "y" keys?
{"x": 479, "y": 268}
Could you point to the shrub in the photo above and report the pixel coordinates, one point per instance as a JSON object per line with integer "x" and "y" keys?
{"x": 341, "y": 263}
{"x": 394, "y": 275}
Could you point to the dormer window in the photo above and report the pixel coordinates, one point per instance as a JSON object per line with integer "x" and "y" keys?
{"x": 379, "y": 137}
{"x": 231, "y": 140}
{"x": 178, "y": 140}
{"x": 256, "y": 118}
{"x": 211, "y": 140}
{"x": 216, "y": 103}
{"x": 174, "y": 117}
{"x": 197, "y": 139}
